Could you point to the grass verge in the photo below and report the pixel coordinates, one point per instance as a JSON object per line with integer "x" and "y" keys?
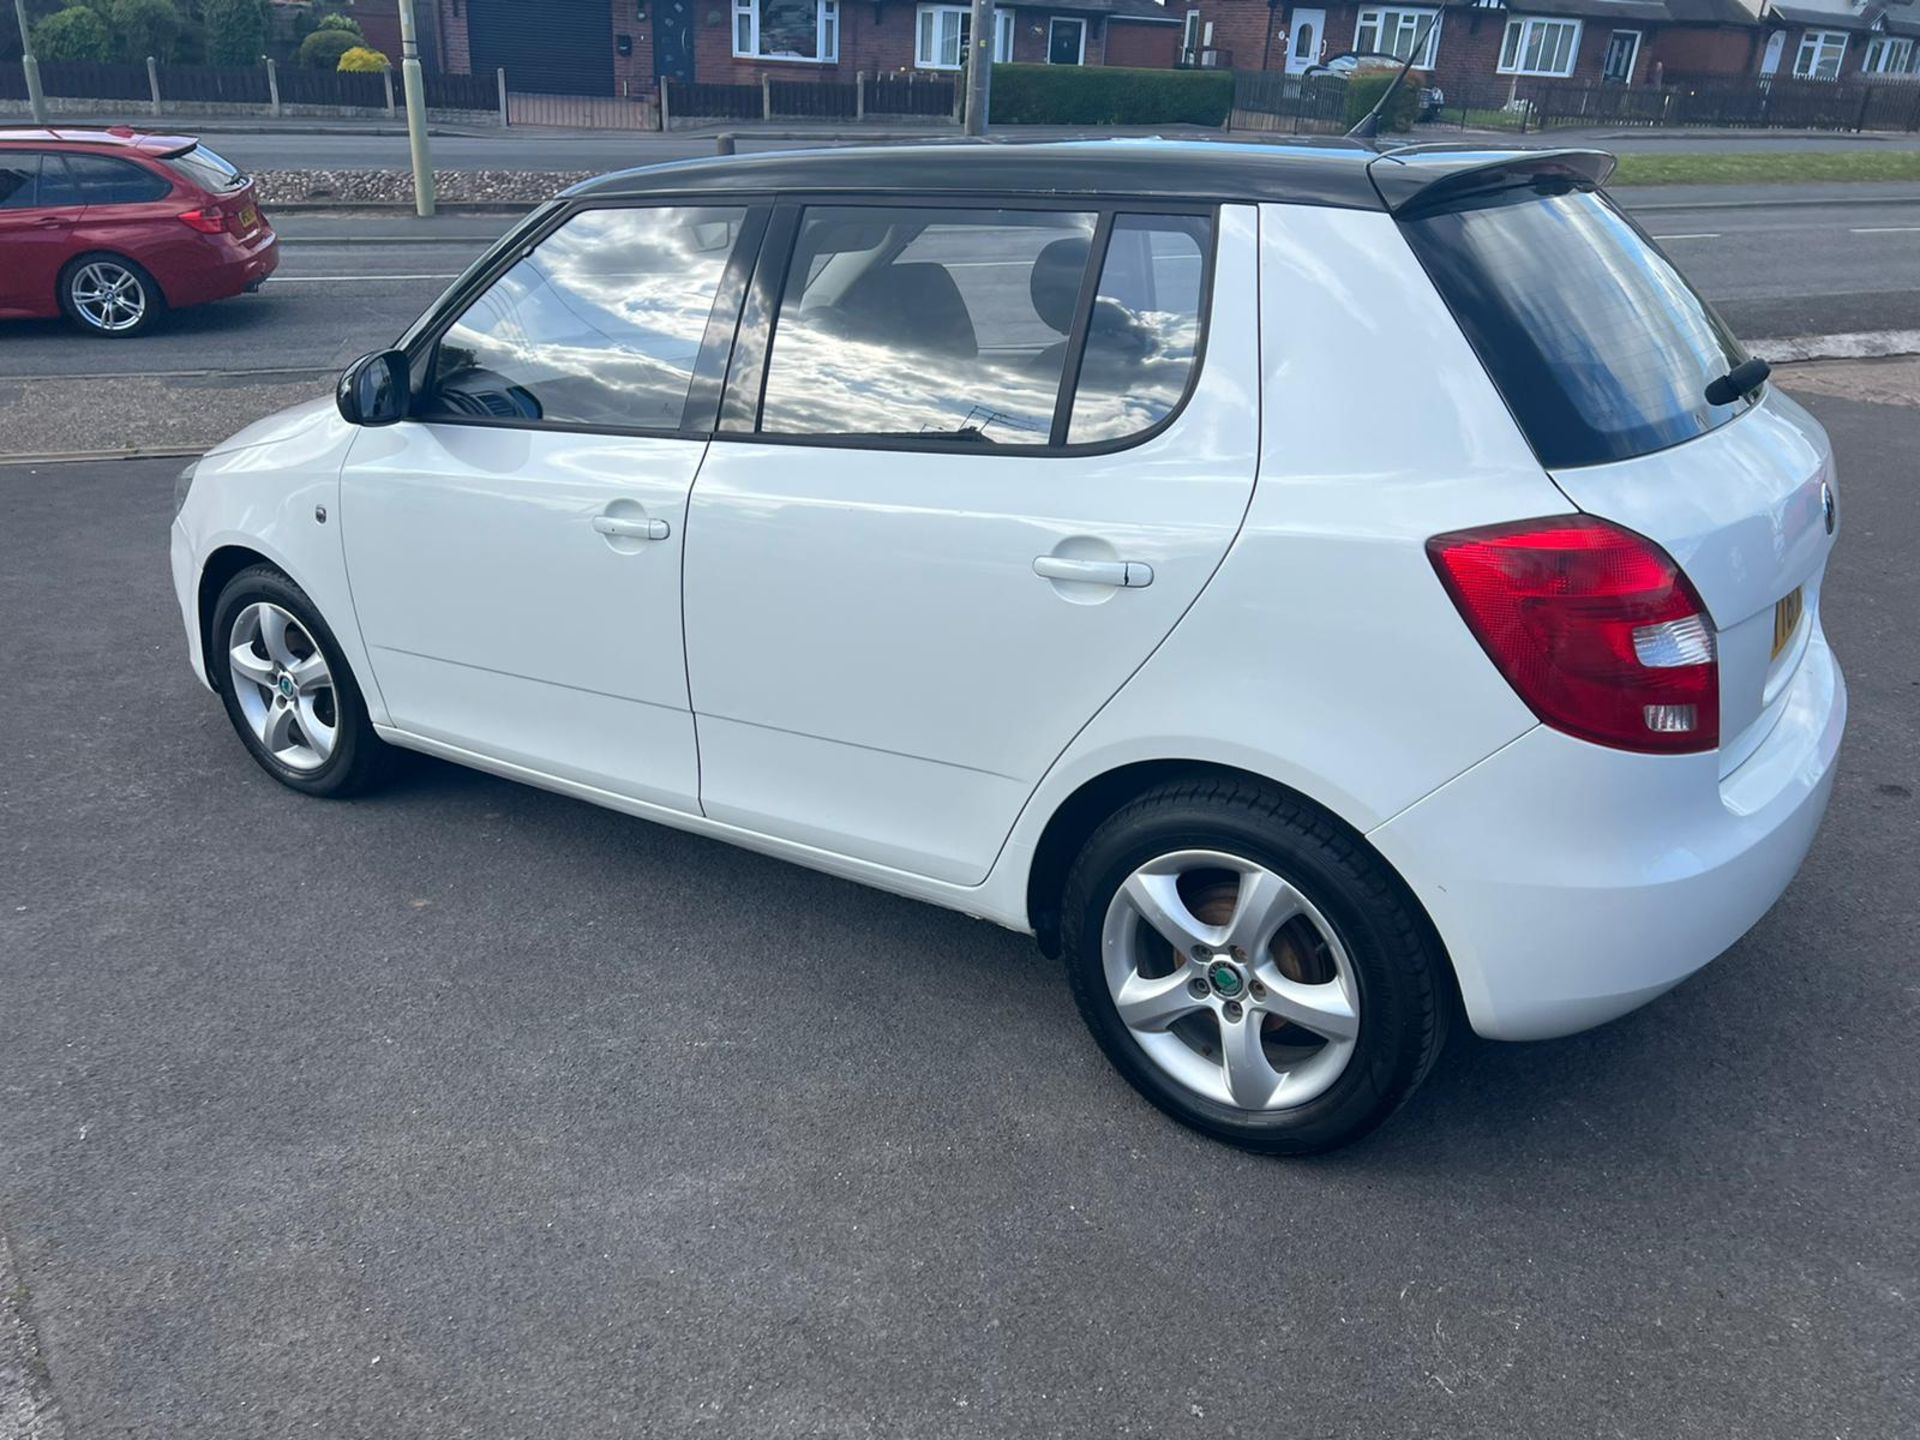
{"x": 1783, "y": 167}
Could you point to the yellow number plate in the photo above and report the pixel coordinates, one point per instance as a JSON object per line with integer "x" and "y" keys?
{"x": 249, "y": 218}
{"x": 1786, "y": 619}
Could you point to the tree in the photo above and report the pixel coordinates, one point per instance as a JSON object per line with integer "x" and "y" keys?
{"x": 75, "y": 33}
{"x": 236, "y": 31}
{"x": 323, "y": 48}
{"x": 334, "y": 20}
{"x": 362, "y": 61}
{"x": 144, "y": 27}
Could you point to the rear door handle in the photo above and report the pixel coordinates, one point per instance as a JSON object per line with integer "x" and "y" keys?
{"x": 1121, "y": 574}
{"x": 632, "y": 529}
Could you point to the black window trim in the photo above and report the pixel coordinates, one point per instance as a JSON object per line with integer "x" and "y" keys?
{"x": 422, "y": 341}
{"x": 748, "y": 377}
{"x": 747, "y": 302}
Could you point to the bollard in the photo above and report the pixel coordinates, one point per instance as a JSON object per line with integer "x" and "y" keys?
{"x": 153, "y": 82}
{"x": 723, "y": 144}
{"x": 500, "y": 78}
{"x": 766, "y": 97}
{"x": 664, "y": 83}
{"x": 860, "y": 95}
{"x": 387, "y": 75}
{"x": 273, "y": 87}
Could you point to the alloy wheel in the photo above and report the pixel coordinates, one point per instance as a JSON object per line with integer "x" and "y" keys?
{"x": 1230, "y": 980}
{"x": 109, "y": 296}
{"x": 283, "y": 686}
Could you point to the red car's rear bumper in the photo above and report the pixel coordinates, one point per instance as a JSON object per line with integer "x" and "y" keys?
{"x": 231, "y": 266}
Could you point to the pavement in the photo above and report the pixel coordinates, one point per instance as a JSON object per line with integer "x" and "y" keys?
{"x": 469, "y": 1110}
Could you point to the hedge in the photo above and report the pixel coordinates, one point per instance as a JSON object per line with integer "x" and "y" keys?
{"x": 1363, "y": 93}
{"x": 1106, "y": 95}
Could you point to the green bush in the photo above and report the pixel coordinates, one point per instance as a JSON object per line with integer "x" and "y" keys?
{"x": 1364, "y": 91}
{"x": 236, "y": 31}
{"x": 144, "y": 27}
{"x": 362, "y": 61}
{"x": 1102, "y": 95}
{"x": 334, "y": 20}
{"x": 75, "y": 33}
{"x": 323, "y": 49}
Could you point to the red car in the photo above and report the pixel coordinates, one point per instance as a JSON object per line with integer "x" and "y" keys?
{"x": 112, "y": 227}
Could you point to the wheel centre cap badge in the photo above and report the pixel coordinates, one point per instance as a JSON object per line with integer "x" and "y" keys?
{"x": 1225, "y": 979}
{"x": 287, "y": 686}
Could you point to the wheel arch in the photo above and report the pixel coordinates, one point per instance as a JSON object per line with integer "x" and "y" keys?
{"x": 1084, "y": 810}
{"x": 225, "y": 562}
{"x": 60, "y": 280}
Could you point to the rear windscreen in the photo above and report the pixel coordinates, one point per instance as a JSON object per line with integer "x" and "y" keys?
{"x": 200, "y": 166}
{"x": 1601, "y": 349}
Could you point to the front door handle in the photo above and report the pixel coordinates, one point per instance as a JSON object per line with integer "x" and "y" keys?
{"x": 1121, "y": 574}
{"x": 626, "y": 529}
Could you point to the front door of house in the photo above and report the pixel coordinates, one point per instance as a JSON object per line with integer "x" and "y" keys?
{"x": 673, "y": 40}
{"x": 1066, "y": 41}
{"x": 1622, "y": 50}
{"x": 1304, "y": 40}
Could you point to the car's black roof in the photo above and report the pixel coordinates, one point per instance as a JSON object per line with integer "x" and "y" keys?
{"x": 1308, "y": 171}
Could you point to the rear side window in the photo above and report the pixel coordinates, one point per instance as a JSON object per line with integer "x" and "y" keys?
{"x": 600, "y": 326}
{"x": 926, "y": 323}
{"x": 18, "y": 180}
{"x": 202, "y": 168}
{"x": 103, "y": 180}
{"x": 1599, "y": 346}
{"x": 1144, "y": 332}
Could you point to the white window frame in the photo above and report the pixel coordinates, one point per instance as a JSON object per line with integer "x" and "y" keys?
{"x": 1888, "y": 55}
{"x": 1812, "y": 52}
{"x": 1378, "y": 19}
{"x": 1531, "y": 43}
{"x": 927, "y": 43}
{"x": 826, "y": 34}
{"x": 1080, "y": 20}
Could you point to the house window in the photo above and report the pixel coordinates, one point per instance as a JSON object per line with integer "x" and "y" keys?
{"x": 942, "y": 32}
{"x": 1820, "y": 54}
{"x": 1539, "y": 47}
{"x": 1393, "y": 32}
{"x": 1888, "y": 55}
{"x": 787, "y": 30}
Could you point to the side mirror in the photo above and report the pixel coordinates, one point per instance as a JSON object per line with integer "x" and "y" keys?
{"x": 374, "y": 389}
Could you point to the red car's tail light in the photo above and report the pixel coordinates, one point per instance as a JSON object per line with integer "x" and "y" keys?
{"x": 209, "y": 221}
{"x": 1594, "y": 627}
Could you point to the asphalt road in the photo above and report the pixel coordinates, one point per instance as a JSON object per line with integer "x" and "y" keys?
{"x": 469, "y": 1110}
{"x": 1783, "y": 270}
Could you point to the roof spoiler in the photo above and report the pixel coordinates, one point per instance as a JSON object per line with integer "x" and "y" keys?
{"x": 1414, "y": 180}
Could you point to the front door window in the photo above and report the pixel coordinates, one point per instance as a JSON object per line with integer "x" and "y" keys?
{"x": 1066, "y": 42}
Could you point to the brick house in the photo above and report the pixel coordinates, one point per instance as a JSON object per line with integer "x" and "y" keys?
{"x": 623, "y": 47}
{"x": 1877, "y": 42}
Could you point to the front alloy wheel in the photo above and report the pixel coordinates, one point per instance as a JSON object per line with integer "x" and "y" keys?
{"x": 283, "y": 686}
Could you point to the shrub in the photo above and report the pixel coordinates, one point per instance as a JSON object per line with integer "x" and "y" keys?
{"x": 323, "y": 49}
{"x": 144, "y": 27}
{"x": 1364, "y": 91}
{"x": 236, "y": 31}
{"x": 75, "y": 33}
{"x": 1102, "y": 95}
{"x": 362, "y": 61}
{"x": 334, "y": 20}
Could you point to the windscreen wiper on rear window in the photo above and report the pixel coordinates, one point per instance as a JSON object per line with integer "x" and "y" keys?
{"x": 1745, "y": 378}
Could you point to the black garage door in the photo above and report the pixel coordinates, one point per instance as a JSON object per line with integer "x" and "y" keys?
{"x": 547, "y": 47}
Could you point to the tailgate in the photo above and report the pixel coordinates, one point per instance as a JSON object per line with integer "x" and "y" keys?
{"x": 1743, "y": 510}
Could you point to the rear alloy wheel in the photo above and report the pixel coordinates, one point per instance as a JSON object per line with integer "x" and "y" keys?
{"x": 110, "y": 296}
{"x": 287, "y": 689}
{"x": 1252, "y": 967}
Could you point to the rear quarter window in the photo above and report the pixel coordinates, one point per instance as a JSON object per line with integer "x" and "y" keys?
{"x": 1599, "y": 346}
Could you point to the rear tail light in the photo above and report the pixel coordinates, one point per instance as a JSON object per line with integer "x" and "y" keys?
{"x": 1594, "y": 627}
{"x": 210, "y": 221}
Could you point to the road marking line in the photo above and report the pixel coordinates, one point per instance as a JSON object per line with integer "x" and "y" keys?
{"x": 1714, "y": 235}
{"x": 335, "y": 279}
{"x": 1886, "y": 229}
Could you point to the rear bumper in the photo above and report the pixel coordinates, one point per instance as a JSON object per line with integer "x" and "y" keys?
{"x": 230, "y": 268}
{"x": 1573, "y": 883}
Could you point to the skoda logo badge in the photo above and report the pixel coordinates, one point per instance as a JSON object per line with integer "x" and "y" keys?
{"x": 1226, "y": 979}
{"x": 1826, "y": 504}
{"x": 286, "y": 686}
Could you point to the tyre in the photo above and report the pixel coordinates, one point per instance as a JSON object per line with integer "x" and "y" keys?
{"x": 110, "y": 295}
{"x": 288, "y": 691}
{"x": 1251, "y": 967}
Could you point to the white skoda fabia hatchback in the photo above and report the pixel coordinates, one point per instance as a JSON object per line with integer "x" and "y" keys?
{"x": 1319, "y": 594}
